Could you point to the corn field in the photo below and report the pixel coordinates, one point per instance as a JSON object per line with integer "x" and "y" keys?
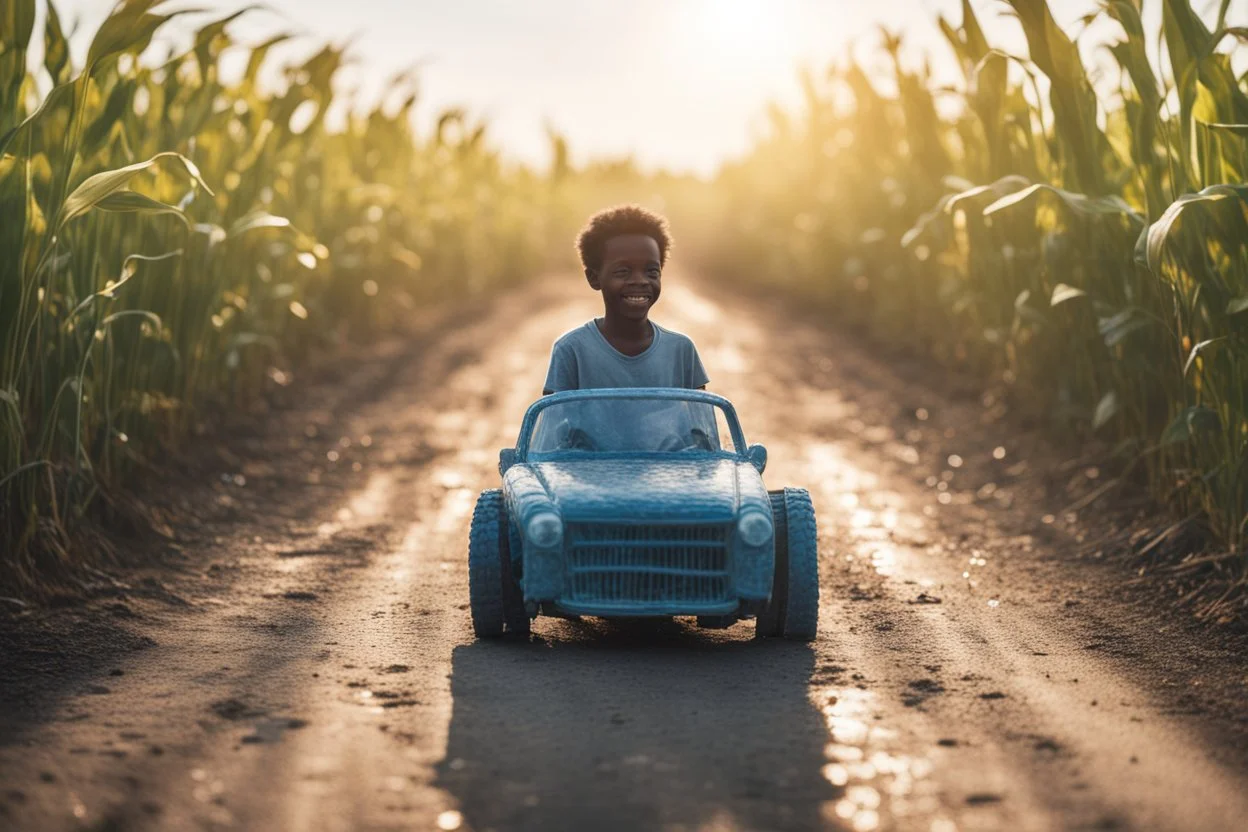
{"x": 1090, "y": 253}
{"x": 168, "y": 241}
{"x": 171, "y": 241}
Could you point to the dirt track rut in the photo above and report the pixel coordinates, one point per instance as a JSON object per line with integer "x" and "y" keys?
{"x": 311, "y": 665}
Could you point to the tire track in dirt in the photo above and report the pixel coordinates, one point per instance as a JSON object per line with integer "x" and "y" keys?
{"x": 332, "y": 681}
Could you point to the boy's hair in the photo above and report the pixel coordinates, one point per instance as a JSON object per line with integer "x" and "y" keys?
{"x": 614, "y": 222}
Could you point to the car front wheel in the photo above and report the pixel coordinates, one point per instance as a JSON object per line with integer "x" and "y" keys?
{"x": 793, "y": 611}
{"x": 485, "y": 579}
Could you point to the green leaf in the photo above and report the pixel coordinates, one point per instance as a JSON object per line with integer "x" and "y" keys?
{"x": 1237, "y": 305}
{"x": 1063, "y": 293}
{"x": 120, "y": 101}
{"x": 1157, "y": 236}
{"x": 1081, "y": 204}
{"x": 146, "y": 314}
{"x": 925, "y": 221}
{"x": 995, "y": 190}
{"x": 1237, "y": 129}
{"x": 17, "y": 24}
{"x": 128, "y": 29}
{"x": 95, "y": 188}
{"x": 1190, "y": 422}
{"x": 130, "y": 201}
{"x": 49, "y": 104}
{"x": 1197, "y": 350}
{"x": 1026, "y": 311}
{"x": 1106, "y": 408}
{"x": 258, "y": 55}
{"x": 258, "y": 219}
{"x": 204, "y": 37}
{"x": 55, "y": 46}
{"x": 128, "y": 270}
{"x": 1116, "y": 328}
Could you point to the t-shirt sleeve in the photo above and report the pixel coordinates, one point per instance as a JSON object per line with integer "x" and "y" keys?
{"x": 562, "y": 372}
{"x": 697, "y": 373}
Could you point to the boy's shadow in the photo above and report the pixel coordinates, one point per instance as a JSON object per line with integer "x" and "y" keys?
{"x": 635, "y": 725}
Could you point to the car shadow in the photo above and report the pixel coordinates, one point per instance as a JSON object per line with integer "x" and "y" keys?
{"x": 635, "y": 725}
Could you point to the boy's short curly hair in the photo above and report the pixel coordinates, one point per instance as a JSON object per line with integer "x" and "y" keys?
{"x": 614, "y": 222}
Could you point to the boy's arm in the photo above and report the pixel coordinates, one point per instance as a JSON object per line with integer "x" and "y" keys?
{"x": 561, "y": 375}
{"x": 697, "y": 378}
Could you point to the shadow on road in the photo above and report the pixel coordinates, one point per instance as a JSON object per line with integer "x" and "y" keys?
{"x": 631, "y": 726}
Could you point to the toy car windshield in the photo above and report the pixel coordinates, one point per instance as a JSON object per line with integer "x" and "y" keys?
{"x": 627, "y": 425}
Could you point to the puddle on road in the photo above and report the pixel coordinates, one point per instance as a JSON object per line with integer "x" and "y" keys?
{"x": 374, "y": 500}
{"x": 878, "y": 781}
{"x": 862, "y": 522}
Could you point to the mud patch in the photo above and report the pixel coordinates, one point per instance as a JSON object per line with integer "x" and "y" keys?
{"x": 919, "y": 691}
{"x": 236, "y": 709}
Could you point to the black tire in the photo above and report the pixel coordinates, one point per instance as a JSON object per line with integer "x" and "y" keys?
{"x": 515, "y": 617}
{"x": 770, "y": 623}
{"x": 801, "y": 613}
{"x": 485, "y": 585}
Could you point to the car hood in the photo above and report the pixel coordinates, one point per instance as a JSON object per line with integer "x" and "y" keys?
{"x": 702, "y": 490}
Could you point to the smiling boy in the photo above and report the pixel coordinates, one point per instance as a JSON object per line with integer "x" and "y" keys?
{"x": 623, "y": 250}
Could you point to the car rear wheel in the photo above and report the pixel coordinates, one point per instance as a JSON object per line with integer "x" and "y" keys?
{"x": 793, "y": 611}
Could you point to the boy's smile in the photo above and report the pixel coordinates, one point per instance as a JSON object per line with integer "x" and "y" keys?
{"x": 630, "y": 277}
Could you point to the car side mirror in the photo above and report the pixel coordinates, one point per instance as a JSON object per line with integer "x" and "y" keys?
{"x": 757, "y": 455}
{"x": 506, "y": 459}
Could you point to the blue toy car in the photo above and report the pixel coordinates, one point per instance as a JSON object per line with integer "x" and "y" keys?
{"x": 640, "y": 502}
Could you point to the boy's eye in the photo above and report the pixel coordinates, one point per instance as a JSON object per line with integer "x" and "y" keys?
{"x": 653, "y": 273}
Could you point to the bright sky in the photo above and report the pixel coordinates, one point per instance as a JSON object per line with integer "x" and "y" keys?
{"x": 680, "y": 84}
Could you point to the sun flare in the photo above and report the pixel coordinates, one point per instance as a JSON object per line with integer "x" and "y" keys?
{"x": 736, "y": 25}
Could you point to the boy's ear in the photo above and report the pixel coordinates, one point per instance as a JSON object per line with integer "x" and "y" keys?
{"x": 591, "y": 275}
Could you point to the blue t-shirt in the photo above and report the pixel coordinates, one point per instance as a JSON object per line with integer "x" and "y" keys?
{"x": 582, "y": 359}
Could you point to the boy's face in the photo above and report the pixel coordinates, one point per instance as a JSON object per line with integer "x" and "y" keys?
{"x": 630, "y": 275}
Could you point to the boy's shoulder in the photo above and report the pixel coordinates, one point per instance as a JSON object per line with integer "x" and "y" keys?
{"x": 585, "y": 334}
{"x": 679, "y": 338}
{"x": 575, "y": 335}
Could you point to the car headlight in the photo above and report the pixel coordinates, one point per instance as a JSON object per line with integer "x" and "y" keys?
{"x": 754, "y": 528}
{"x": 545, "y": 529}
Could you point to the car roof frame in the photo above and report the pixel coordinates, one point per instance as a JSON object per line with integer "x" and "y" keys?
{"x": 661, "y": 393}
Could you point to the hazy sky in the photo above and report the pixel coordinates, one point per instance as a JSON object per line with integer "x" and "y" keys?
{"x": 677, "y": 83}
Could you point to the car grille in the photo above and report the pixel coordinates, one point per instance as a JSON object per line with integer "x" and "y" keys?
{"x": 616, "y": 564}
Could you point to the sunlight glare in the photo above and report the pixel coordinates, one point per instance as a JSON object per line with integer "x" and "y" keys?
{"x": 732, "y": 25}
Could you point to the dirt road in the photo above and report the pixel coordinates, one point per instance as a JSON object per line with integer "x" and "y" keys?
{"x": 308, "y": 662}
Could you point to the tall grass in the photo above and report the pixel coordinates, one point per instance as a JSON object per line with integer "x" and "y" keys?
{"x": 168, "y": 239}
{"x": 1090, "y": 252}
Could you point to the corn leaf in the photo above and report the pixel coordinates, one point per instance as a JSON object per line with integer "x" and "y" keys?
{"x": 1063, "y": 293}
{"x": 1197, "y": 350}
{"x": 148, "y": 315}
{"x": 55, "y": 47}
{"x": 128, "y": 29}
{"x": 134, "y": 202}
{"x": 18, "y": 23}
{"x": 1157, "y": 237}
{"x": 258, "y": 219}
{"x": 1106, "y": 409}
{"x": 128, "y": 270}
{"x": 1116, "y": 328}
{"x": 206, "y": 36}
{"x": 1189, "y": 423}
{"x": 994, "y": 190}
{"x": 89, "y": 194}
{"x": 1079, "y": 203}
